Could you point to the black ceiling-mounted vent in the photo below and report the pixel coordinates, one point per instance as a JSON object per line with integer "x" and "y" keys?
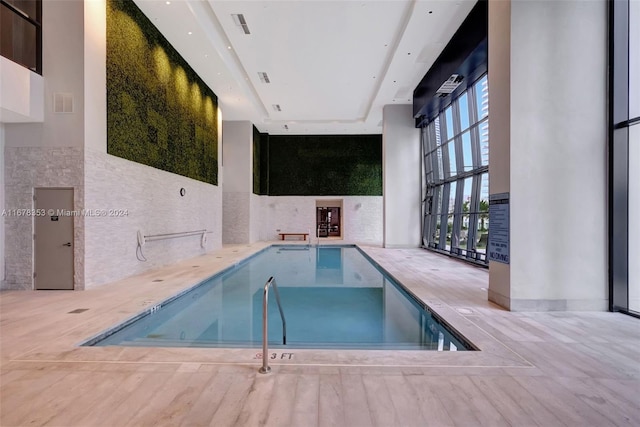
{"x": 264, "y": 78}
{"x": 238, "y": 18}
{"x": 276, "y": 107}
{"x": 450, "y": 85}
{"x": 285, "y": 127}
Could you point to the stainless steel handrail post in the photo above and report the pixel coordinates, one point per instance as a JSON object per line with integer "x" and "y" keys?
{"x": 265, "y": 369}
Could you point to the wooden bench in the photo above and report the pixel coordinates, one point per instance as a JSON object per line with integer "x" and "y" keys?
{"x": 303, "y": 235}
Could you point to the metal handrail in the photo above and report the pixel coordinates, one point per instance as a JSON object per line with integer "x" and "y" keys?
{"x": 265, "y": 369}
{"x": 173, "y": 235}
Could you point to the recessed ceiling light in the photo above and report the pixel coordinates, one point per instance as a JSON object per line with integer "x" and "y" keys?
{"x": 168, "y": 2}
{"x": 228, "y": 47}
{"x": 190, "y": 33}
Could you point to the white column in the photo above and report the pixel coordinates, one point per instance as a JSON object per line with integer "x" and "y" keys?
{"x": 238, "y": 181}
{"x": 548, "y": 112}
{"x": 401, "y": 171}
{"x": 2, "y": 206}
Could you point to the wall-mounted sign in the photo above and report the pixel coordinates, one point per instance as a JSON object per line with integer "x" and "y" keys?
{"x": 498, "y": 247}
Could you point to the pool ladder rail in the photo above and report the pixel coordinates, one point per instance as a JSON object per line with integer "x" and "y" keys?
{"x": 265, "y": 369}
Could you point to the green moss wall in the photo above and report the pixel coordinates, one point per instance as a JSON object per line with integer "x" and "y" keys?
{"x": 256, "y": 161}
{"x": 159, "y": 112}
{"x": 325, "y": 165}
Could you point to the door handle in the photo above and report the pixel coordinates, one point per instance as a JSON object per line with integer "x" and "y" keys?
{"x": 67, "y": 244}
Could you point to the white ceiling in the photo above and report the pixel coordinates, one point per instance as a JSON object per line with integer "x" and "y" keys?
{"x": 332, "y": 64}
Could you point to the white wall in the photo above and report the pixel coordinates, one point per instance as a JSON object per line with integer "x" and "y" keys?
{"x": 257, "y": 220}
{"x": 48, "y": 154}
{"x": 401, "y": 169}
{"x": 150, "y": 197}
{"x": 557, "y": 126}
{"x": 153, "y": 205}
{"x": 95, "y": 75}
{"x": 63, "y": 72}
{"x": 21, "y": 93}
{"x": 361, "y": 217}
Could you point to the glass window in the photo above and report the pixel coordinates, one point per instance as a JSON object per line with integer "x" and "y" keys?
{"x": 436, "y": 125}
{"x": 634, "y": 218}
{"x": 452, "y": 158}
{"x": 482, "y": 98}
{"x": 439, "y": 164}
{"x": 463, "y": 110}
{"x": 451, "y": 207}
{"x": 484, "y": 143}
{"x": 28, "y": 7}
{"x": 436, "y": 212}
{"x": 634, "y": 59}
{"x": 19, "y": 38}
{"x": 458, "y": 223}
{"x": 482, "y": 214}
{"x": 449, "y": 120}
{"x": 467, "y": 156}
{"x": 466, "y": 209}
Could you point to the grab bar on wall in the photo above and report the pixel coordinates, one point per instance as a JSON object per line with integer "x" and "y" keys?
{"x": 164, "y": 236}
{"x": 265, "y": 369}
{"x": 142, "y": 239}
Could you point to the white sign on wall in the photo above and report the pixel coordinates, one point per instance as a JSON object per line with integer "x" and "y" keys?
{"x": 498, "y": 247}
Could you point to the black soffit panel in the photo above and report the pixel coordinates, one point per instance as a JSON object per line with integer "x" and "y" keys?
{"x": 465, "y": 53}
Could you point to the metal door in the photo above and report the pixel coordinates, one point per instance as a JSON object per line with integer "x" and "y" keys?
{"x": 53, "y": 238}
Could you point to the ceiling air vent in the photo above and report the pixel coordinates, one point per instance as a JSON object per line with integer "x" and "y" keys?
{"x": 276, "y": 107}
{"x": 238, "y": 18}
{"x": 285, "y": 127}
{"x": 264, "y": 78}
{"x": 450, "y": 84}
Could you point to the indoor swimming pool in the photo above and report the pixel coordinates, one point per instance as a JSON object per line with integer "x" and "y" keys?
{"x": 331, "y": 297}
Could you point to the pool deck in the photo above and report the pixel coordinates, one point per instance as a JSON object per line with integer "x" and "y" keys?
{"x": 547, "y": 369}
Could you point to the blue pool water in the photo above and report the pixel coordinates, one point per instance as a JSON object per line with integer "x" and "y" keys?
{"x": 332, "y": 297}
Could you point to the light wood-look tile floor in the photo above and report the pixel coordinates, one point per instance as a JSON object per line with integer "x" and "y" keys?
{"x": 534, "y": 369}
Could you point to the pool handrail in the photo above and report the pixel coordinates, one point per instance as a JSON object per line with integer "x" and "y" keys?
{"x": 265, "y": 369}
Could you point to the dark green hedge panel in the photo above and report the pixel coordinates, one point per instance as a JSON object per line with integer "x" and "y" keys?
{"x": 159, "y": 112}
{"x": 256, "y": 161}
{"x": 325, "y": 165}
{"x": 264, "y": 161}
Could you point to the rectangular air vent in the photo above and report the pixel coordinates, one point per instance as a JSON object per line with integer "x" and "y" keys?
{"x": 276, "y": 107}
{"x": 450, "y": 84}
{"x": 238, "y": 18}
{"x": 63, "y": 103}
{"x": 264, "y": 78}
